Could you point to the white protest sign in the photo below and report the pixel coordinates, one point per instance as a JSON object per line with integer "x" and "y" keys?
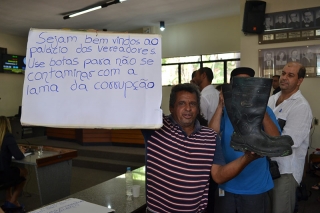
{"x": 92, "y": 80}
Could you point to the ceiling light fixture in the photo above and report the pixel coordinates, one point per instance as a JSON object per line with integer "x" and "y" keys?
{"x": 83, "y": 12}
{"x": 93, "y": 8}
{"x": 162, "y": 27}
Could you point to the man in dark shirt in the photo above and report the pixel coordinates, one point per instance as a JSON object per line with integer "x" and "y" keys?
{"x": 294, "y": 56}
{"x": 307, "y": 19}
{"x": 281, "y": 22}
{"x": 308, "y": 59}
{"x": 268, "y": 25}
{"x": 268, "y": 63}
{"x": 294, "y": 21}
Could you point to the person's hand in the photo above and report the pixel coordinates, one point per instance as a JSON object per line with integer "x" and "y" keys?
{"x": 252, "y": 155}
{"x": 22, "y": 149}
{"x": 221, "y": 100}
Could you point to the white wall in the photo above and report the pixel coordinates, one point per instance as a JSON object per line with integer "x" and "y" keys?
{"x": 14, "y": 44}
{"x": 202, "y": 37}
{"x": 250, "y": 48}
{"x": 10, "y": 84}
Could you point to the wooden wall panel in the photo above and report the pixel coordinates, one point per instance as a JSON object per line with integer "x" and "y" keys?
{"x": 131, "y": 136}
{"x": 94, "y": 136}
{"x": 61, "y": 133}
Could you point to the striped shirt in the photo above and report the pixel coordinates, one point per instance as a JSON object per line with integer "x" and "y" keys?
{"x": 178, "y": 168}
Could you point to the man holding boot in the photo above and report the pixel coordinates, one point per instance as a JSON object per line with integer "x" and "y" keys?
{"x": 247, "y": 192}
{"x": 181, "y": 155}
{"x": 294, "y": 113}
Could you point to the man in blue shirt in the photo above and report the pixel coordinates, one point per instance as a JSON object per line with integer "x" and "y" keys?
{"x": 181, "y": 155}
{"x": 248, "y": 191}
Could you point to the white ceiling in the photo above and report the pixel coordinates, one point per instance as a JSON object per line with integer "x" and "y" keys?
{"x": 18, "y": 16}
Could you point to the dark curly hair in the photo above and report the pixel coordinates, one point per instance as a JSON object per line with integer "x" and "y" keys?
{"x": 183, "y": 87}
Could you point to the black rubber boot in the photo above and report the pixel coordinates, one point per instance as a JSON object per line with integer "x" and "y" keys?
{"x": 249, "y": 101}
{"x": 227, "y": 96}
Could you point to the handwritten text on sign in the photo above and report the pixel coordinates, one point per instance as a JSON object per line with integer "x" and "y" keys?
{"x": 91, "y": 65}
{"x": 86, "y": 67}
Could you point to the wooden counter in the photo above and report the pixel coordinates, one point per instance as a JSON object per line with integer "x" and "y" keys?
{"x": 97, "y": 136}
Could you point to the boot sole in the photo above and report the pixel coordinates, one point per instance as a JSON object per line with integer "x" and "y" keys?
{"x": 243, "y": 148}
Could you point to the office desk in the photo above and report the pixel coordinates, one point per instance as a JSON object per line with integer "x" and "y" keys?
{"x": 112, "y": 193}
{"x": 53, "y": 171}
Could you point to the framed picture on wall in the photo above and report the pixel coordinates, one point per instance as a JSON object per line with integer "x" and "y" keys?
{"x": 291, "y": 25}
{"x": 272, "y": 61}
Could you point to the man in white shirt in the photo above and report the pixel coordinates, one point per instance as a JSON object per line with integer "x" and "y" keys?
{"x": 294, "y": 113}
{"x": 209, "y": 95}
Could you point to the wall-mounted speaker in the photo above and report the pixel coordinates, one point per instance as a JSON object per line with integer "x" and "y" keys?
{"x": 253, "y": 17}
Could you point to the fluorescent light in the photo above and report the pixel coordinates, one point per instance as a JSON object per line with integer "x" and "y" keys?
{"x": 85, "y": 11}
{"x": 94, "y": 8}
